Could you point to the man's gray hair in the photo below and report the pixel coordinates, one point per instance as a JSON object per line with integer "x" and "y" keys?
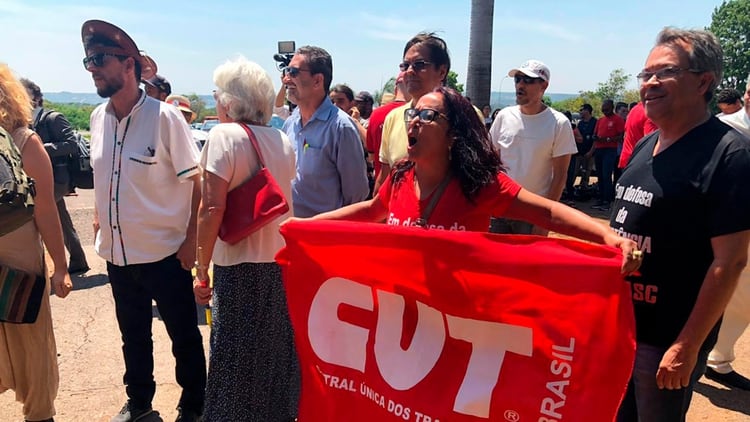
{"x": 704, "y": 52}
{"x": 246, "y": 90}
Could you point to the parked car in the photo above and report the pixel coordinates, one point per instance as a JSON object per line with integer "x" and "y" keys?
{"x": 208, "y": 124}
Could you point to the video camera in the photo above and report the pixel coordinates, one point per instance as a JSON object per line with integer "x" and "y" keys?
{"x": 285, "y": 54}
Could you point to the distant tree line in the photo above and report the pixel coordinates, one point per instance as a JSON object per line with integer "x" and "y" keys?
{"x": 79, "y": 114}
{"x": 614, "y": 88}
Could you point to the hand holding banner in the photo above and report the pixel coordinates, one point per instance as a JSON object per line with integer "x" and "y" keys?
{"x": 398, "y": 323}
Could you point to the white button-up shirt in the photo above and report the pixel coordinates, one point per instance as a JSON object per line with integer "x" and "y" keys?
{"x": 142, "y": 188}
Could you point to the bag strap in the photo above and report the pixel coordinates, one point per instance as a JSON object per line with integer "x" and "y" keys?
{"x": 40, "y": 117}
{"x": 254, "y": 141}
{"x": 427, "y": 211}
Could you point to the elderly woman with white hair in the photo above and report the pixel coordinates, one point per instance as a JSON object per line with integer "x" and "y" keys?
{"x": 253, "y": 372}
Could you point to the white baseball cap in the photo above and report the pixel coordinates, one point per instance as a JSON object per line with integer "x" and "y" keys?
{"x": 533, "y": 68}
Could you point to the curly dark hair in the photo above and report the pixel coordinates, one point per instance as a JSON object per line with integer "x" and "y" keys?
{"x": 474, "y": 161}
{"x": 728, "y": 96}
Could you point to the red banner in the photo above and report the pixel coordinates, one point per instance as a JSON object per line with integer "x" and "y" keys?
{"x": 406, "y": 324}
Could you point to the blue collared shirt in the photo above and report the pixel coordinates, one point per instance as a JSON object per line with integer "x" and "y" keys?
{"x": 331, "y": 169}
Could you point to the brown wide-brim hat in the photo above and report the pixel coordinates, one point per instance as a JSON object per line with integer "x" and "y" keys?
{"x": 122, "y": 44}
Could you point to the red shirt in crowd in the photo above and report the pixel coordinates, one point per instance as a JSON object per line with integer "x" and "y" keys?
{"x": 636, "y": 127}
{"x": 375, "y": 131}
{"x": 452, "y": 211}
{"x": 608, "y": 127}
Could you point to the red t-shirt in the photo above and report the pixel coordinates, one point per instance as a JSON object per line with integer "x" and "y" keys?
{"x": 375, "y": 131}
{"x": 608, "y": 127}
{"x": 452, "y": 211}
{"x": 636, "y": 127}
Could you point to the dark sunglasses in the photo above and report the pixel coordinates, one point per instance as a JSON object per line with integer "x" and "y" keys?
{"x": 418, "y": 66}
{"x": 425, "y": 115}
{"x": 528, "y": 80}
{"x": 292, "y": 71}
{"x": 98, "y": 59}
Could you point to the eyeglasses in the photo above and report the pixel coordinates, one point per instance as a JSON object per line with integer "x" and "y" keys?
{"x": 292, "y": 71}
{"x": 528, "y": 80}
{"x": 662, "y": 74}
{"x": 418, "y": 66}
{"x": 425, "y": 115}
{"x": 98, "y": 59}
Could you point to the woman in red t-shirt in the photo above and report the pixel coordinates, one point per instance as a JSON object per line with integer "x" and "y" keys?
{"x": 453, "y": 179}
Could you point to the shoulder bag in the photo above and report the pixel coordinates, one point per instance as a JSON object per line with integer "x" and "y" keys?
{"x": 254, "y": 203}
{"x": 21, "y": 295}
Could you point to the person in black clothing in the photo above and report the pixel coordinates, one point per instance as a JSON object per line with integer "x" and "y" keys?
{"x": 683, "y": 197}
{"x": 583, "y": 158}
{"x": 60, "y": 144}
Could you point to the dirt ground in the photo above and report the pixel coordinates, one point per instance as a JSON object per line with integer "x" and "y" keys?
{"x": 91, "y": 365}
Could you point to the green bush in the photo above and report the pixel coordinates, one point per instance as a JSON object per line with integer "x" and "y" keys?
{"x": 77, "y": 114}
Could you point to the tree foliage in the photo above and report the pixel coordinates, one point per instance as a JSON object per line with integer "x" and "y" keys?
{"x": 730, "y": 22}
{"x": 199, "y": 107}
{"x": 77, "y": 114}
{"x": 613, "y": 88}
{"x": 452, "y": 82}
{"x": 389, "y": 86}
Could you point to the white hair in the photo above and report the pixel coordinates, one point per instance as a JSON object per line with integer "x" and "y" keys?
{"x": 246, "y": 90}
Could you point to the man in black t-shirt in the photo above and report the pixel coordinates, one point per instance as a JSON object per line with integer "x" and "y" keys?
{"x": 683, "y": 198}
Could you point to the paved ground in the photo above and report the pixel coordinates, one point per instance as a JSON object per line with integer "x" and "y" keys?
{"x": 91, "y": 366}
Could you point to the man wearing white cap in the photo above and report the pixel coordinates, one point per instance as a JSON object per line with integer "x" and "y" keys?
{"x": 534, "y": 141}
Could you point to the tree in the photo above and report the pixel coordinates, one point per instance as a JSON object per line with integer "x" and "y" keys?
{"x": 77, "y": 114}
{"x": 614, "y": 87}
{"x": 389, "y": 86}
{"x": 480, "y": 51}
{"x": 198, "y": 106}
{"x": 730, "y": 23}
{"x": 631, "y": 96}
{"x": 451, "y": 81}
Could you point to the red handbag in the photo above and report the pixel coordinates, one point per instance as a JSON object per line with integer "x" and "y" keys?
{"x": 254, "y": 203}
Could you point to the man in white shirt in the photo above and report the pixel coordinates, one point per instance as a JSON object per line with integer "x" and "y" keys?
{"x": 146, "y": 189}
{"x": 535, "y": 142}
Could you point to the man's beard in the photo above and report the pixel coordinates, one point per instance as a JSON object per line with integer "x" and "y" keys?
{"x": 110, "y": 89}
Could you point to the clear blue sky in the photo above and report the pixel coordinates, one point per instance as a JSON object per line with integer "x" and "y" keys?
{"x": 581, "y": 41}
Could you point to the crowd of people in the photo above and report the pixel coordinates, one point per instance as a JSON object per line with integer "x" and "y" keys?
{"x": 429, "y": 158}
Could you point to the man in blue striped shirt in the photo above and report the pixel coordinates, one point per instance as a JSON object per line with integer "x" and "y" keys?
{"x": 331, "y": 170}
